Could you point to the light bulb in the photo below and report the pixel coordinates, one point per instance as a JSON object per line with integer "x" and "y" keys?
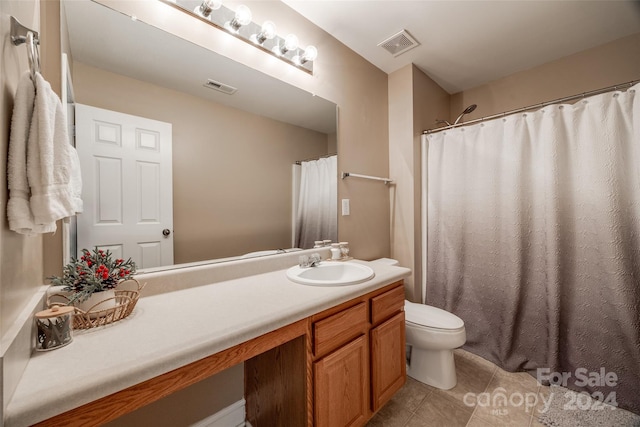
{"x": 269, "y": 29}
{"x": 290, "y": 42}
{"x": 310, "y": 54}
{"x": 243, "y": 17}
{"x": 267, "y": 32}
{"x": 207, "y": 7}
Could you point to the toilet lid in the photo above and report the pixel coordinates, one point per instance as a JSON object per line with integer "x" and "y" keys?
{"x": 431, "y": 317}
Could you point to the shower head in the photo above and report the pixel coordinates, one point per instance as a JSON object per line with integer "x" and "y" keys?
{"x": 467, "y": 110}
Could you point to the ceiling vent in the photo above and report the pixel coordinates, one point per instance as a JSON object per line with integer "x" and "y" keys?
{"x": 399, "y": 43}
{"x": 220, "y": 87}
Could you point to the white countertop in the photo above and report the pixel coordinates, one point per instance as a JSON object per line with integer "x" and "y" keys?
{"x": 168, "y": 331}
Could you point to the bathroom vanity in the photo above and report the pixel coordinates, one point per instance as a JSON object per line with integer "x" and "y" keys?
{"x": 313, "y": 356}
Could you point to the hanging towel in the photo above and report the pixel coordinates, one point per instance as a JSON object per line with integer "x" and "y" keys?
{"x": 18, "y": 208}
{"x": 44, "y": 170}
{"x": 53, "y": 167}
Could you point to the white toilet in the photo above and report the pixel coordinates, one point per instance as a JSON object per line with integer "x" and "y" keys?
{"x": 432, "y": 335}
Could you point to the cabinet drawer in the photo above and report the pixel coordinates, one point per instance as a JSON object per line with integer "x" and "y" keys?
{"x": 339, "y": 328}
{"x": 387, "y": 304}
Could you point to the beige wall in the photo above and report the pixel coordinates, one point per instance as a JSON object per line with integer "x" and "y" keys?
{"x": 602, "y": 66}
{"x": 20, "y": 257}
{"x": 413, "y": 99}
{"x": 341, "y": 76}
{"x": 401, "y": 169}
{"x": 231, "y": 169}
{"x": 190, "y": 405}
{"x": 332, "y": 143}
{"x": 51, "y": 46}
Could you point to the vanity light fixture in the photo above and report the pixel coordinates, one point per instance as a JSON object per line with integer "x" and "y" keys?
{"x": 207, "y": 7}
{"x": 242, "y": 17}
{"x": 309, "y": 54}
{"x": 238, "y": 23}
{"x": 267, "y": 32}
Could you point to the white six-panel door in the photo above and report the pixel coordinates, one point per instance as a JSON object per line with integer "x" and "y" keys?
{"x": 127, "y": 185}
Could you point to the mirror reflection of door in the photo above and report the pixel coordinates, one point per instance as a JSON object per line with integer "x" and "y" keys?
{"x": 127, "y": 185}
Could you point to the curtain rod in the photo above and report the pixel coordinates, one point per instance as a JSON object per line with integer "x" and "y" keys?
{"x": 531, "y": 107}
{"x": 298, "y": 162}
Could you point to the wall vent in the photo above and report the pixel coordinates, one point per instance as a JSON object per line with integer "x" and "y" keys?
{"x": 399, "y": 43}
{"x": 220, "y": 87}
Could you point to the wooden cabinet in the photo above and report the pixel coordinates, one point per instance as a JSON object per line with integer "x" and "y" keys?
{"x": 388, "y": 363}
{"x": 388, "y": 348}
{"x": 341, "y": 386}
{"x": 358, "y": 357}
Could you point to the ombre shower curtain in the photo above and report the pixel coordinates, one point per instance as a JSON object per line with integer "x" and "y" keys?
{"x": 533, "y": 239}
{"x": 317, "y": 212}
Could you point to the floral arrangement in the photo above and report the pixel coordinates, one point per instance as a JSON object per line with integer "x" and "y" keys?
{"x": 93, "y": 272}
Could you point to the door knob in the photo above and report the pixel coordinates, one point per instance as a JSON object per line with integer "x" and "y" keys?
{"x": 166, "y": 232}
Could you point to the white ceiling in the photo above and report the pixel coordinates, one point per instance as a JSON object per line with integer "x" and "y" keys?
{"x": 464, "y": 44}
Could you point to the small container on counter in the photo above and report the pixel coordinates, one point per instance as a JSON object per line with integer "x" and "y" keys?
{"x": 336, "y": 253}
{"x": 344, "y": 248}
{"x": 54, "y": 327}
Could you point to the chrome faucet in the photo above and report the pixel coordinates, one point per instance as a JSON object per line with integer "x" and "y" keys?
{"x": 309, "y": 261}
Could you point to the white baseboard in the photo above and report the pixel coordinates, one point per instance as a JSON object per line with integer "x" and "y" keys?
{"x": 231, "y": 416}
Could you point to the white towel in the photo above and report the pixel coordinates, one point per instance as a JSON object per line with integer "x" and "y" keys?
{"x": 44, "y": 170}
{"x": 18, "y": 208}
{"x": 54, "y": 169}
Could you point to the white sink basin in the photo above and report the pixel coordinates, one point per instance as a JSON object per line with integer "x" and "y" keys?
{"x": 329, "y": 273}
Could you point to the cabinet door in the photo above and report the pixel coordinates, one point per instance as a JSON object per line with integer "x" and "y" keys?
{"x": 342, "y": 386}
{"x": 388, "y": 362}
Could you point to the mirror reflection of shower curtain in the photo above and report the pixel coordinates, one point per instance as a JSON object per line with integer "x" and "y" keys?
{"x": 317, "y": 205}
{"x": 534, "y": 238}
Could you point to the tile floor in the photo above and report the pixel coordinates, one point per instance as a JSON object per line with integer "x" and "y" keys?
{"x": 420, "y": 405}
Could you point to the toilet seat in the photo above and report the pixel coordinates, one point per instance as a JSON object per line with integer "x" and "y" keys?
{"x": 430, "y": 317}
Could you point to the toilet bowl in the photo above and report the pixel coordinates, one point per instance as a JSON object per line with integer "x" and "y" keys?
{"x": 432, "y": 335}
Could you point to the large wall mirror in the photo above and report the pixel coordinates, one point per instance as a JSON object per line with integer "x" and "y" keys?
{"x": 230, "y": 176}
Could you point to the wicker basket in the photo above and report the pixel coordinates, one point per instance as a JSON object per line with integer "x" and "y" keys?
{"x": 125, "y": 302}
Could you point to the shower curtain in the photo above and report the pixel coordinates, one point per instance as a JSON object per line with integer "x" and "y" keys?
{"x": 533, "y": 239}
{"x": 317, "y": 212}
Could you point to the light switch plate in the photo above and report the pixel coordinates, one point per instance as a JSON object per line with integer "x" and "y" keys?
{"x": 346, "y": 210}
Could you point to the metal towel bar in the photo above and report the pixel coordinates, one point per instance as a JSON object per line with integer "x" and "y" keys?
{"x": 375, "y": 178}
{"x": 21, "y": 34}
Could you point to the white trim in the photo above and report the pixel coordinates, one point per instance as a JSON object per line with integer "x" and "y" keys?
{"x": 424, "y": 205}
{"x": 296, "y": 170}
{"x": 67, "y": 97}
{"x": 232, "y": 415}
